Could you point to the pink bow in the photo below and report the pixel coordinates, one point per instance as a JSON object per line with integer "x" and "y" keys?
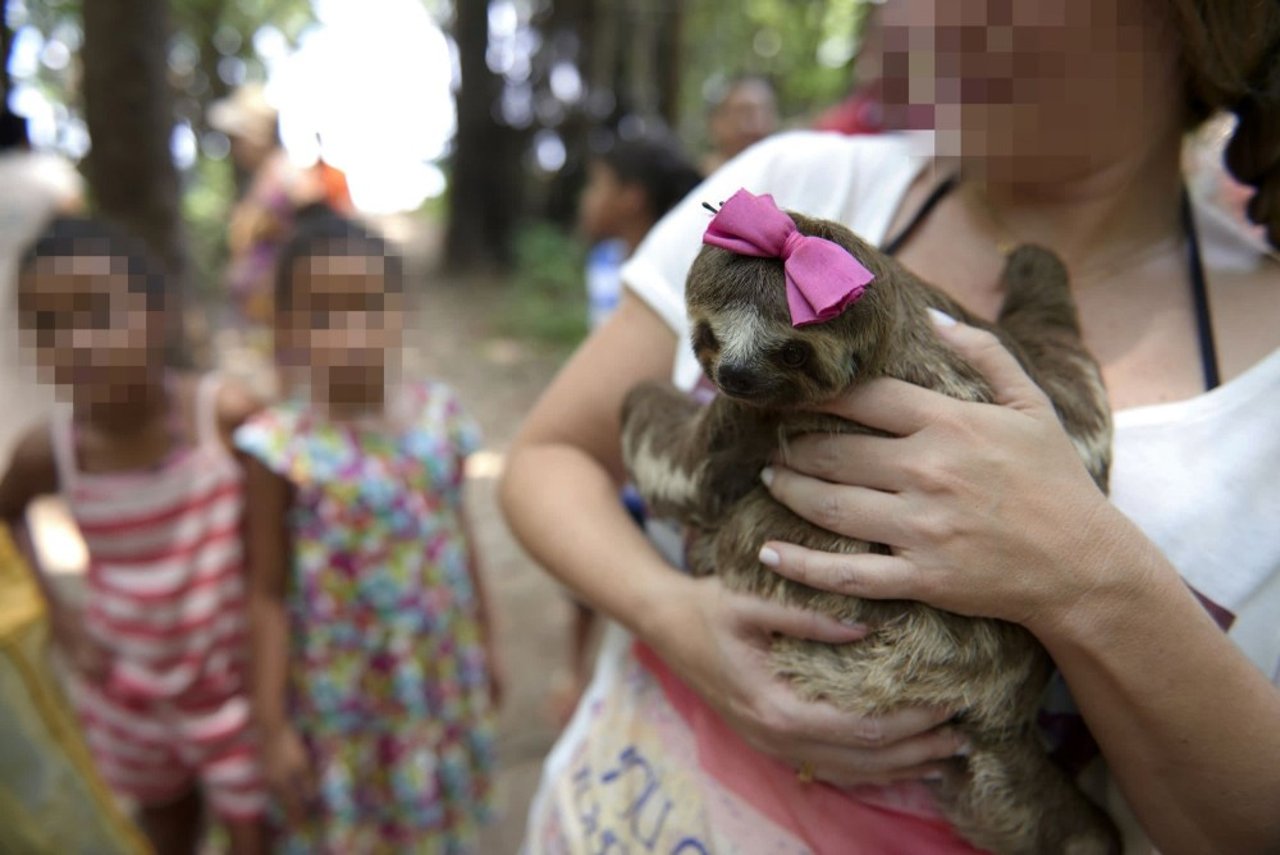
{"x": 823, "y": 279}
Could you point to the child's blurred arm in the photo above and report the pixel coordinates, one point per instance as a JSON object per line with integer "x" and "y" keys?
{"x": 484, "y": 608}
{"x": 267, "y": 542}
{"x": 32, "y": 474}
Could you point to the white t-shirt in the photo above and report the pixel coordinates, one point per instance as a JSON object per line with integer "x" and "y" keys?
{"x": 1199, "y": 476}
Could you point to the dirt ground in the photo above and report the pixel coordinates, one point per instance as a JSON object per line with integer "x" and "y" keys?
{"x": 499, "y": 379}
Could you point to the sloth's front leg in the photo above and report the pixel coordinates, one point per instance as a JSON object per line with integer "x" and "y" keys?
{"x": 691, "y": 462}
{"x": 664, "y": 449}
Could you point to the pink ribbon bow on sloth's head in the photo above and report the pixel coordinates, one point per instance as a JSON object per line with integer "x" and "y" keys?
{"x": 823, "y": 279}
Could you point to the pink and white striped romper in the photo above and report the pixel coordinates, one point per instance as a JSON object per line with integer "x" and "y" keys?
{"x": 166, "y": 596}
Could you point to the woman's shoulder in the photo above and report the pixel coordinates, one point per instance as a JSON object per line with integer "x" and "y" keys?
{"x": 823, "y": 173}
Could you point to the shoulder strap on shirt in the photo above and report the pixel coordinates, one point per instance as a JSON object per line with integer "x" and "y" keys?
{"x": 1200, "y": 295}
{"x": 895, "y": 243}
{"x": 63, "y": 439}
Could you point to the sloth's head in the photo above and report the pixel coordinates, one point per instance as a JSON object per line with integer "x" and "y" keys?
{"x": 744, "y": 339}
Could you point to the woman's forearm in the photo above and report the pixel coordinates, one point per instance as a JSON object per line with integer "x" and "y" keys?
{"x": 1189, "y": 727}
{"x": 566, "y": 511}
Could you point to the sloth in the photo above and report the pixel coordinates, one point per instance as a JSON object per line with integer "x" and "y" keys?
{"x": 700, "y": 465}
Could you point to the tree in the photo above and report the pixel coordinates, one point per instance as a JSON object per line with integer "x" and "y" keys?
{"x": 6, "y": 41}
{"x": 485, "y": 193}
{"x": 129, "y": 112}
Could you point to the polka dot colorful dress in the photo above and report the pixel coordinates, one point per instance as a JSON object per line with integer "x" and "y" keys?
{"x": 388, "y": 683}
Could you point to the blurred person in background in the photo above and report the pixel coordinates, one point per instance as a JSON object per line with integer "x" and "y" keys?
{"x": 742, "y": 113}
{"x": 862, "y": 112}
{"x": 376, "y": 672}
{"x": 142, "y": 456}
{"x": 629, "y": 187}
{"x": 262, "y": 219}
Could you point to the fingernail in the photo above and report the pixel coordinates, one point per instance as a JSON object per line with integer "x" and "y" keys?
{"x": 940, "y": 318}
{"x": 852, "y": 624}
{"x": 766, "y": 475}
{"x": 934, "y": 777}
{"x": 964, "y": 749}
{"x": 769, "y": 557}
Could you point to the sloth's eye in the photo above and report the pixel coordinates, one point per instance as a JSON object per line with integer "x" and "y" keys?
{"x": 704, "y": 338}
{"x": 794, "y": 354}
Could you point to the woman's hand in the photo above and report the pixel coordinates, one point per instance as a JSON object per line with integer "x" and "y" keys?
{"x": 288, "y": 772}
{"x": 720, "y": 643}
{"x": 988, "y": 508}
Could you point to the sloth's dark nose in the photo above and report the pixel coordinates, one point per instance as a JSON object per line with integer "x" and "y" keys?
{"x": 737, "y": 380}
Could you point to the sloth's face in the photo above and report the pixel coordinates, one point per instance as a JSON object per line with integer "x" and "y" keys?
{"x": 743, "y": 337}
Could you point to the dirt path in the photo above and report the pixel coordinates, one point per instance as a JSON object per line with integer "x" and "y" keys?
{"x": 498, "y": 380}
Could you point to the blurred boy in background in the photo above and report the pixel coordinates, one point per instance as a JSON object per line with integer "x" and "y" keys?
{"x": 629, "y": 187}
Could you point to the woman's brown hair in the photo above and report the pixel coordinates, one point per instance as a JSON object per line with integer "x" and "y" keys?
{"x": 1231, "y": 54}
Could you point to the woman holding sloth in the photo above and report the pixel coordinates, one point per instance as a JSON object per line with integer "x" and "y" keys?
{"x": 1060, "y": 124}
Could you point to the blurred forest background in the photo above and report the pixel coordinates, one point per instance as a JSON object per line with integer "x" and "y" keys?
{"x": 504, "y": 101}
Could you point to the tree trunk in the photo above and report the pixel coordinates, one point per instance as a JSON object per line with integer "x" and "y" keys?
{"x": 129, "y": 110}
{"x": 670, "y": 45}
{"x": 6, "y": 41}
{"x": 485, "y": 193}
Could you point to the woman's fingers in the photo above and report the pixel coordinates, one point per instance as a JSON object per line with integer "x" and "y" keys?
{"x": 893, "y": 406}
{"x": 846, "y": 458}
{"x": 982, "y": 350}
{"x": 856, "y": 512}
{"x": 768, "y": 618}
{"x": 869, "y": 574}
{"x": 909, "y": 758}
{"x": 822, "y": 723}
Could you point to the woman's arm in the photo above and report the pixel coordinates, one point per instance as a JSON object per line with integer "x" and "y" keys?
{"x": 559, "y": 490}
{"x": 267, "y": 541}
{"x": 991, "y": 513}
{"x": 560, "y": 495}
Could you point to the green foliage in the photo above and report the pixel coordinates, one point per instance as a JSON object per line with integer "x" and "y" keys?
{"x": 205, "y": 32}
{"x": 805, "y": 48}
{"x": 546, "y": 297}
{"x": 205, "y": 207}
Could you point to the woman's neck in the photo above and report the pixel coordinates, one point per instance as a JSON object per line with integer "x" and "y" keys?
{"x": 1098, "y": 221}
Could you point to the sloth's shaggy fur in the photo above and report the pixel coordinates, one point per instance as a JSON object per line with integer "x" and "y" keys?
{"x": 701, "y": 465}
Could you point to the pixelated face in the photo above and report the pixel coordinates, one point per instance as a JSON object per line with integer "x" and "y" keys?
{"x": 345, "y": 325}
{"x": 748, "y": 114}
{"x": 1041, "y": 79}
{"x": 89, "y": 327}
{"x": 743, "y": 338}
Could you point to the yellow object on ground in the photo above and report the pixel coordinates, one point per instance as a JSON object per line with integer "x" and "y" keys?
{"x": 51, "y": 798}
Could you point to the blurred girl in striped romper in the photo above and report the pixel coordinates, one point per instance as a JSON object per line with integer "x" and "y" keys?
{"x": 142, "y": 456}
